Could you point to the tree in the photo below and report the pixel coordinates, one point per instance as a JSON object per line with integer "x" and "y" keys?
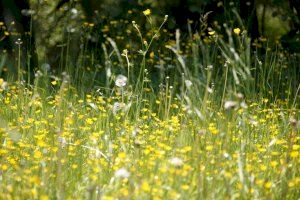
{"x": 16, "y": 15}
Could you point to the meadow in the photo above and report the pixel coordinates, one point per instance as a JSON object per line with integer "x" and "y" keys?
{"x": 200, "y": 117}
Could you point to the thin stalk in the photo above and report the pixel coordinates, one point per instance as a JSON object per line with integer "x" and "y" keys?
{"x": 225, "y": 85}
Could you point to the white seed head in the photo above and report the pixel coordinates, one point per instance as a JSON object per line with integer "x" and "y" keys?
{"x": 122, "y": 173}
{"x": 121, "y": 81}
{"x": 177, "y": 162}
{"x": 230, "y": 105}
{"x": 116, "y": 107}
{"x": 45, "y": 67}
{"x": 188, "y": 83}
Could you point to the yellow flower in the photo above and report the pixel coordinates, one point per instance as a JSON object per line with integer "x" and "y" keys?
{"x": 185, "y": 187}
{"x": 211, "y": 32}
{"x": 294, "y": 154}
{"x": 237, "y": 31}
{"x": 209, "y": 148}
{"x": 152, "y": 55}
{"x": 37, "y": 154}
{"x": 146, "y": 187}
{"x": 44, "y": 197}
{"x": 147, "y": 12}
{"x": 122, "y": 155}
{"x": 268, "y": 185}
{"x": 4, "y": 167}
{"x": 54, "y": 82}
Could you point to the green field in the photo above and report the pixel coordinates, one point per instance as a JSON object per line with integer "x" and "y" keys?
{"x": 199, "y": 117}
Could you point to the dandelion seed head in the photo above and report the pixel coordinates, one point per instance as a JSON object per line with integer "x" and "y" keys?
{"x": 177, "y": 162}
{"x": 122, "y": 173}
{"x": 188, "y": 83}
{"x": 121, "y": 81}
{"x": 230, "y": 105}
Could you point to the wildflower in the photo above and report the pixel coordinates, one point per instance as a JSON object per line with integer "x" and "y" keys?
{"x": 37, "y": 154}
{"x": 93, "y": 106}
{"x": 4, "y": 167}
{"x": 74, "y": 11}
{"x": 63, "y": 141}
{"x": 116, "y": 107}
{"x": 38, "y": 74}
{"x": 166, "y": 18}
{"x": 45, "y": 67}
{"x": 201, "y": 132}
{"x": 185, "y": 187}
{"x": 19, "y": 41}
{"x": 294, "y": 154}
{"x": 122, "y": 173}
{"x": 188, "y": 83}
{"x": 145, "y": 187}
{"x": 210, "y": 67}
{"x": 294, "y": 123}
{"x": 152, "y": 55}
{"x": 237, "y": 31}
{"x": 147, "y": 12}
{"x": 3, "y": 84}
{"x": 54, "y": 82}
{"x": 211, "y": 32}
{"x": 244, "y": 105}
{"x": 121, "y": 81}
{"x": 227, "y": 62}
{"x": 296, "y": 147}
{"x": 209, "y": 148}
{"x": 230, "y": 105}
{"x": 268, "y": 185}
{"x": 177, "y": 162}
{"x": 209, "y": 90}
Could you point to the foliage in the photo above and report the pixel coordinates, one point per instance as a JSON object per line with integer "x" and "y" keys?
{"x": 133, "y": 108}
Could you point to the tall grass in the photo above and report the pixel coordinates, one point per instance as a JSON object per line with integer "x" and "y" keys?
{"x": 212, "y": 119}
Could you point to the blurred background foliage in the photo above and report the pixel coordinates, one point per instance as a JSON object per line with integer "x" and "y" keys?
{"x": 80, "y": 33}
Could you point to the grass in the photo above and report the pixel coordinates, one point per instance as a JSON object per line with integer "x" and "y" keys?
{"x": 223, "y": 124}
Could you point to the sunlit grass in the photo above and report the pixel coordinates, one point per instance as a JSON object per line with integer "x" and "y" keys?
{"x": 221, "y": 124}
{"x": 95, "y": 147}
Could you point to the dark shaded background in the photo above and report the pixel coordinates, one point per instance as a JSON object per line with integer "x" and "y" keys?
{"x": 44, "y": 27}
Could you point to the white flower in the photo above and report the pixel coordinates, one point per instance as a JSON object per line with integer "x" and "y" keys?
{"x": 209, "y": 90}
{"x": 122, "y": 173}
{"x": 94, "y": 106}
{"x": 188, "y": 83}
{"x": 116, "y": 107}
{"x": 135, "y": 132}
{"x": 210, "y": 67}
{"x": 244, "y": 105}
{"x": 226, "y": 155}
{"x": 63, "y": 141}
{"x": 230, "y": 104}
{"x": 38, "y": 73}
{"x": 121, "y": 81}
{"x": 74, "y": 11}
{"x": 177, "y": 162}
{"x": 253, "y": 122}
